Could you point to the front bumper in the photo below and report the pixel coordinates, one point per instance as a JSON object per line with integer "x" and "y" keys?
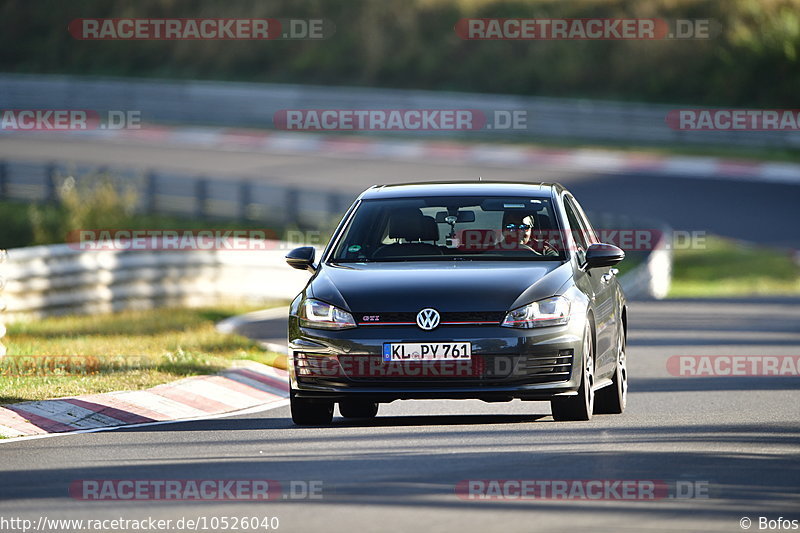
{"x": 507, "y": 363}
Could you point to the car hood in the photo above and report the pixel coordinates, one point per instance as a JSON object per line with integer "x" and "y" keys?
{"x": 446, "y": 286}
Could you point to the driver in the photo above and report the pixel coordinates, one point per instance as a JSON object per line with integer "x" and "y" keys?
{"x": 516, "y": 231}
{"x": 517, "y": 234}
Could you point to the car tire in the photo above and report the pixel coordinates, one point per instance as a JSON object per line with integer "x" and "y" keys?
{"x": 306, "y": 412}
{"x": 580, "y": 407}
{"x": 613, "y": 399}
{"x": 358, "y": 409}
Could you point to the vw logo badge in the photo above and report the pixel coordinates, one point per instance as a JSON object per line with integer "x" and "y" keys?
{"x": 428, "y": 319}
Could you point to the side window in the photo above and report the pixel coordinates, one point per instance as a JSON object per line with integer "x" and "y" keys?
{"x": 578, "y": 231}
{"x": 591, "y": 236}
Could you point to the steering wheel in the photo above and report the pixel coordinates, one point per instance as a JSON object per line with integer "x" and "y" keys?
{"x": 542, "y": 247}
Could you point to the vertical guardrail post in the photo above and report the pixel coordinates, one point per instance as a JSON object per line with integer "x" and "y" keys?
{"x": 334, "y": 203}
{"x": 150, "y": 189}
{"x": 3, "y": 180}
{"x": 291, "y": 207}
{"x": 245, "y": 194}
{"x": 50, "y": 187}
{"x": 3, "y": 258}
{"x": 200, "y": 197}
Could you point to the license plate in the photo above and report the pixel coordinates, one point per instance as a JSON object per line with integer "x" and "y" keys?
{"x": 427, "y": 351}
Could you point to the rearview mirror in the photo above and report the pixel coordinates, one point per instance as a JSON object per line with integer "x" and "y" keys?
{"x": 302, "y": 258}
{"x": 463, "y": 216}
{"x": 603, "y": 255}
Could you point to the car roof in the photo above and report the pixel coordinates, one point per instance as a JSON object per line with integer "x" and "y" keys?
{"x": 462, "y": 188}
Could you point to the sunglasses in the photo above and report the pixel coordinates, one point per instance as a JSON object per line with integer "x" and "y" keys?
{"x": 518, "y": 226}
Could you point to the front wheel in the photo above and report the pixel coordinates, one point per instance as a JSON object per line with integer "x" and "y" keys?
{"x": 613, "y": 399}
{"x": 307, "y": 412}
{"x": 579, "y": 407}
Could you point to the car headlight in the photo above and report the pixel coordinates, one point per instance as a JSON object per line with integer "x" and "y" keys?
{"x": 548, "y": 312}
{"x": 319, "y": 315}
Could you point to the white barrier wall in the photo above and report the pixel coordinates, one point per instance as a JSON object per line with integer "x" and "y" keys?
{"x": 652, "y": 278}
{"x": 58, "y": 279}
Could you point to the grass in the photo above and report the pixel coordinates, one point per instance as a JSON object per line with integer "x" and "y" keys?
{"x": 727, "y": 268}
{"x": 72, "y": 355}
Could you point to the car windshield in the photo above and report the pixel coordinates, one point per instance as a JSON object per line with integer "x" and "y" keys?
{"x": 449, "y": 228}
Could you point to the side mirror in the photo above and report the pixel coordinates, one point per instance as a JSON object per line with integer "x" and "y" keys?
{"x": 603, "y": 255}
{"x": 301, "y": 258}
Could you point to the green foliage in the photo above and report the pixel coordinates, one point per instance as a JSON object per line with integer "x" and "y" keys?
{"x": 15, "y": 225}
{"x": 411, "y": 44}
{"x": 95, "y": 201}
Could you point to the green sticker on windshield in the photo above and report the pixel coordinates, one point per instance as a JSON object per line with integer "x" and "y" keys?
{"x": 353, "y": 248}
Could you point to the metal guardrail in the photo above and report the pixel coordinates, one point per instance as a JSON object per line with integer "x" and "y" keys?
{"x": 254, "y": 105}
{"x": 60, "y": 279}
{"x": 170, "y": 193}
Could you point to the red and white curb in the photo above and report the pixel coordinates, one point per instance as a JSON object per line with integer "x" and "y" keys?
{"x": 593, "y": 160}
{"x": 248, "y": 386}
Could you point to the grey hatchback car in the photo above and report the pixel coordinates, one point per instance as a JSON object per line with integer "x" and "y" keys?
{"x": 484, "y": 290}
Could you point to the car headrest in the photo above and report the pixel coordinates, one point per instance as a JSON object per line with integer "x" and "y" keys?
{"x": 406, "y": 224}
{"x": 430, "y": 229}
{"x": 543, "y": 221}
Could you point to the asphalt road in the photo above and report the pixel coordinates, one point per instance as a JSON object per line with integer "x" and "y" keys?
{"x": 759, "y": 212}
{"x": 737, "y": 437}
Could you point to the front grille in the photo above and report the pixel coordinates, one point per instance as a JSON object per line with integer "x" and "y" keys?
{"x": 481, "y": 369}
{"x": 455, "y": 318}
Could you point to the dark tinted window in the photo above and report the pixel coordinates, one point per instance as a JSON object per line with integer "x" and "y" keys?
{"x": 449, "y": 228}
